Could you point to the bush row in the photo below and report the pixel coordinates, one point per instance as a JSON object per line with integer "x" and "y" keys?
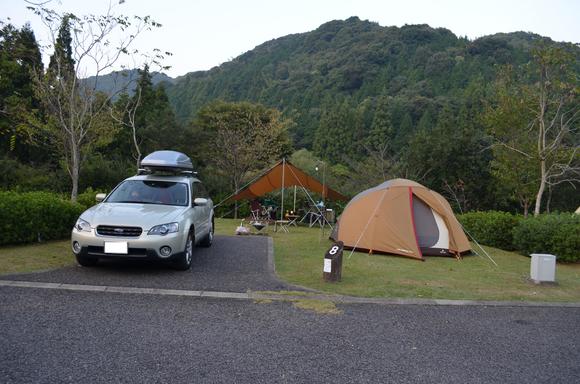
{"x": 557, "y": 234}
{"x": 491, "y": 228}
{"x": 35, "y": 216}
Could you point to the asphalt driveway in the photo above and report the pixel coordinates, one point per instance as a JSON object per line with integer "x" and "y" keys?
{"x": 56, "y": 336}
{"x": 231, "y": 264}
{"x": 62, "y": 336}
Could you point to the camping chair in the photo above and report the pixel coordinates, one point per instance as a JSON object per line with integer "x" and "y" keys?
{"x": 314, "y": 215}
{"x": 257, "y": 210}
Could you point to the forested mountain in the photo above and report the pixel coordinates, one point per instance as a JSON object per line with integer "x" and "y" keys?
{"x": 115, "y": 82}
{"x": 354, "y": 60}
{"x": 370, "y": 102}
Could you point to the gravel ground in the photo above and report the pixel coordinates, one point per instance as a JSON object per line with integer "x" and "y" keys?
{"x": 231, "y": 264}
{"x": 49, "y": 336}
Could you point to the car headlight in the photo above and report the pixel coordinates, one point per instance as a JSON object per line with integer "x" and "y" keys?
{"x": 164, "y": 229}
{"x": 82, "y": 225}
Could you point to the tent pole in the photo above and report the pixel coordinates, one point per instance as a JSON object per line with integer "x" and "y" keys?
{"x": 282, "y": 207}
{"x": 294, "y": 208}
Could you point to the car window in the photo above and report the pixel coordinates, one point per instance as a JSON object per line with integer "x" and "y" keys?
{"x": 150, "y": 192}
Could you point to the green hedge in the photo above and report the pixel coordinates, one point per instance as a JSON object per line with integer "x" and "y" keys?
{"x": 88, "y": 198}
{"x": 35, "y": 216}
{"x": 491, "y": 228}
{"x": 557, "y": 234}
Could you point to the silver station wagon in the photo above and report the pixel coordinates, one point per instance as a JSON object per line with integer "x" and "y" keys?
{"x": 160, "y": 214}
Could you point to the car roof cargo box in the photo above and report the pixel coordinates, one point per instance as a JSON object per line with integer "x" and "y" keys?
{"x": 167, "y": 161}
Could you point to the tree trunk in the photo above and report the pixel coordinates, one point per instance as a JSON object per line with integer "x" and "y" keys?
{"x": 136, "y": 144}
{"x": 74, "y": 171}
{"x": 542, "y": 188}
{"x": 236, "y": 202}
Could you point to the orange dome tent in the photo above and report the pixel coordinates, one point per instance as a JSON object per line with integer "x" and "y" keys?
{"x": 401, "y": 217}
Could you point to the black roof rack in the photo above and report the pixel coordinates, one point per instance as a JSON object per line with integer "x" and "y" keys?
{"x": 157, "y": 171}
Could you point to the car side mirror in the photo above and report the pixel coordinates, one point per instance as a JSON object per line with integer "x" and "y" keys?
{"x": 100, "y": 197}
{"x": 200, "y": 201}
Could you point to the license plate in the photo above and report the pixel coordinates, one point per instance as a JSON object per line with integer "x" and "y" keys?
{"x": 119, "y": 247}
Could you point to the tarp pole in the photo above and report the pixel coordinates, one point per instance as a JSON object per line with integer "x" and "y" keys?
{"x": 283, "y": 170}
{"x": 294, "y": 207}
{"x": 325, "y": 221}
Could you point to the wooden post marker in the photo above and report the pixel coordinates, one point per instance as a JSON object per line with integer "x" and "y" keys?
{"x": 332, "y": 270}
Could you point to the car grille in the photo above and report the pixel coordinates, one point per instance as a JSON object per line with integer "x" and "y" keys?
{"x": 108, "y": 230}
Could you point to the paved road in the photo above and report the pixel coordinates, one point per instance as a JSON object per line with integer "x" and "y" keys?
{"x": 58, "y": 336}
{"x": 231, "y": 264}
{"x": 52, "y": 336}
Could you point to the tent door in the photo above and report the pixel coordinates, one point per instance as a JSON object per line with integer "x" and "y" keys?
{"x": 442, "y": 245}
{"x": 432, "y": 233}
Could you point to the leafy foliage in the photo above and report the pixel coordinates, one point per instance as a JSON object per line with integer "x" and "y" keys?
{"x": 491, "y": 228}
{"x": 557, "y": 234}
{"x": 35, "y": 216}
{"x": 238, "y": 138}
{"x": 19, "y": 59}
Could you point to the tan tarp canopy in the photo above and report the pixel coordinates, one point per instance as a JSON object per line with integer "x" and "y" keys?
{"x": 382, "y": 219}
{"x": 284, "y": 174}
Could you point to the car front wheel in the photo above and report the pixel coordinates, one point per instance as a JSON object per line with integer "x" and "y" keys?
{"x": 184, "y": 261}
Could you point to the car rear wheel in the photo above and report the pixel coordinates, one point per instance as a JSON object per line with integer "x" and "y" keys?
{"x": 208, "y": 239}
{"x": 184, "y": 261}
{"x": 86, "y": 261}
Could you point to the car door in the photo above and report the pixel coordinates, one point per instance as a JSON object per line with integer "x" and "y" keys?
{"x": 200, "y": 212}
{"x": 208, "y": 207}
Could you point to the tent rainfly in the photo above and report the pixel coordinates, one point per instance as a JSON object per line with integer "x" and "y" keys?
{"x": 284, "y": 175}
{"x": 401, "y": 217}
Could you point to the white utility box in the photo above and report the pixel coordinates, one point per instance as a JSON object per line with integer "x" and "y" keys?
{"x": 543, "y": 268}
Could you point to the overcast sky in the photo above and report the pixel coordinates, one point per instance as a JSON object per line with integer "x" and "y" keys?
{"x": 203, "y": 34}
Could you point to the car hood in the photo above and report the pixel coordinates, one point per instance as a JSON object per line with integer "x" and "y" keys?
{"x": 132, "y": 215}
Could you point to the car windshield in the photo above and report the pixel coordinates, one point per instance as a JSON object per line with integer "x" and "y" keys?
{"x": 150, "y": 192}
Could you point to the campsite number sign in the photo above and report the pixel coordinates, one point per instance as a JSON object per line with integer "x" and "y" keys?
{"x": 332, "y": 269}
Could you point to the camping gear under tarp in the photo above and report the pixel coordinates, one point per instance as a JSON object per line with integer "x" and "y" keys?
{"x": 401, "y": 217}
{"x": 284, "y": 175}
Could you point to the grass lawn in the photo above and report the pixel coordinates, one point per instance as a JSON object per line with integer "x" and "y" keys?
{"x": 35, "y": 257}
{"x": 299, "y": 259}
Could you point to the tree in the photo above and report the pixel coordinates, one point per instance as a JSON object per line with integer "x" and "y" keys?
{"x": 379, "y": 143}
{"x": 19, "y": 58}
{"x": 449, "y": 159}
{"x": 238, "y": 138}
{"x": 546, "y": 114}
{"x": 335, "y": 138}
{"x": 74, "y": 108}
{"x": 148, "y": 117}
{"x": 511, "y": 165}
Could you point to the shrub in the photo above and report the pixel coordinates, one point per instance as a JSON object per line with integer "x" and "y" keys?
{"x": 88, "y": 198}
{"x": 35, "y": 216}
{"x": 24, "y": 177}
{"x": 557, "y": 234}
{"x": 491, "y": 228}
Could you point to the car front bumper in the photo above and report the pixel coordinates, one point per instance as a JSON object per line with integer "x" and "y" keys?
{"x": 142, "y": 247}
